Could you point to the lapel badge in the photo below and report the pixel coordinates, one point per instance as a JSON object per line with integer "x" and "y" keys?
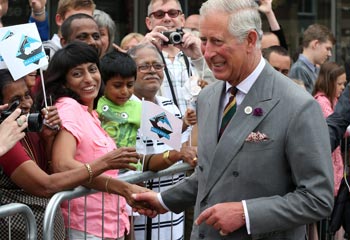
{"x": 248, "y": 110}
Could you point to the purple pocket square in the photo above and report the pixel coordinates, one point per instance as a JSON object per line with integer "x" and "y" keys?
{"x": 257, "y": 137}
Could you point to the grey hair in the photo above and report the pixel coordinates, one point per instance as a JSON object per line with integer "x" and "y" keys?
{"x": 150, "y": 5}
{"x": 244, "y": 16}
{"x": 133, "y": 51}
{"x": 104, "y": 20}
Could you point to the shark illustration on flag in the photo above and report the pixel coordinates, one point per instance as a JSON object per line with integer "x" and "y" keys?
{"x": 159, "y": 124}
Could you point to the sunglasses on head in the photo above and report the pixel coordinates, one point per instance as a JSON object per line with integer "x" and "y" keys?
{"x": 173, "y": 13}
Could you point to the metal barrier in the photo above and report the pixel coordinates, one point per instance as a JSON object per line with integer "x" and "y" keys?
{"x": 58, "y": 198}
{"x": 11, "y": 209}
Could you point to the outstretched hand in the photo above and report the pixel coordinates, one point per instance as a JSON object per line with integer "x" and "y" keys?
{"x": 121, "y": 158}
{"x": 154, "y": 206}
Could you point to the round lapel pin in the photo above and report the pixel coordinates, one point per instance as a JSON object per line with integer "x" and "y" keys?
{"x": 248, "y": 110}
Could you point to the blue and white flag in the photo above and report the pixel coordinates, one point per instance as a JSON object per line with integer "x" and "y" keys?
{"x": 21, "y": 49}
{"x": 159, "y": 124}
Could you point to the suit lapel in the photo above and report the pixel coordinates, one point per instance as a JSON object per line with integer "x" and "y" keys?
{"x": 212, "y": 118}
{"x": 242, "y": 124}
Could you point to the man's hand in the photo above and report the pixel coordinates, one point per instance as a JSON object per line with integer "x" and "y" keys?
{"x": 156, "y": 37}
{"x": 191, "y": 46}
{"x": 224, "y": 217}
{"x": 152, "y": 200}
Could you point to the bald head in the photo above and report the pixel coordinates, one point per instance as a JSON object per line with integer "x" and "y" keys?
{"x": 192, "y": 22}
{"x": 269, "y": 39}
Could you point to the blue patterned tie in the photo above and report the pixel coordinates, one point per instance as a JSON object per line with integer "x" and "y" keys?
{"x": 229, "y": 110}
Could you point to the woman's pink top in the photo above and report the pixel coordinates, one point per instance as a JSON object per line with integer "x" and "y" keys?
{"x": 338, "y": 165}
{"x": 92, "y": 142}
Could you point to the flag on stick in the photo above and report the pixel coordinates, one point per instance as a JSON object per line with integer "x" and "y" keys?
{"x": 159, "y": 124}
{"x": 21, "y": 49}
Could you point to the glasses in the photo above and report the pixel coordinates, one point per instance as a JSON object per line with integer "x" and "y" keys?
{"x": 173, "y": 13}
{"x": 147, "y": 67}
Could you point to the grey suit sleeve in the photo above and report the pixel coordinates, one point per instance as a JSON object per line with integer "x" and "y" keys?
{"x": 340, "y": 119}
{"x": 182, "y": 195}
{"x": 307, "y": 151}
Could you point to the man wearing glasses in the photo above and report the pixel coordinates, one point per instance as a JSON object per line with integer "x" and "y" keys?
{"x": 182, "y": 60}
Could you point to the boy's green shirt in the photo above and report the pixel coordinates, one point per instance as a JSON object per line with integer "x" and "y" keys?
{"x": 120, "y": 122}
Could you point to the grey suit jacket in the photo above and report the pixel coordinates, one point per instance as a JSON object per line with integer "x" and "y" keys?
{"x": 287, "y": 181}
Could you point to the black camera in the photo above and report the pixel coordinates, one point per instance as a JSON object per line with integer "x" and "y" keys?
{"x": 175, "y": 37}
{"x": 34, "y": 120}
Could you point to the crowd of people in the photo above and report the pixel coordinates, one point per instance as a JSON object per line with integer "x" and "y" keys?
{"x": 254, "y": 125}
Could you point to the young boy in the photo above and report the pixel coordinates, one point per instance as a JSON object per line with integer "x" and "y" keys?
{"x": 120, "y": 116}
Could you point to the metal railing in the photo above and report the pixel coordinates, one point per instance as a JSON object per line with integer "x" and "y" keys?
{"x": 58, "y": 198}
{"x": 11, "y": 209}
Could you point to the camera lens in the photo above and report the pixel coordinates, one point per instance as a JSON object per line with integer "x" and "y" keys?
{"x": 175, "y": 38}
{"x": 35, "y": 122}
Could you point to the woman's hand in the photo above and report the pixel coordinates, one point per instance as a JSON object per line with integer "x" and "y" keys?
{"x": 52, "y": 122}
{"x": 121, "y": 158}
{"x": 131, "y": 189}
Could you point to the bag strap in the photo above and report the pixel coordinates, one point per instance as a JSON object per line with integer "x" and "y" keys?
{"x": 187, "y": 65}
{"x": 169, "y": 79}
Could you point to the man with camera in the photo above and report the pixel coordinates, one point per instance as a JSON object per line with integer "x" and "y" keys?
{"x": 181, "y": 51}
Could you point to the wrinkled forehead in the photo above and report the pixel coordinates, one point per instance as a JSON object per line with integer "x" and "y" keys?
{"x": 147, "y": 54}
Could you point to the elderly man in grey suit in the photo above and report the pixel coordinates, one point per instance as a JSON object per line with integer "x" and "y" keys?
{"x": 269, "y": 172}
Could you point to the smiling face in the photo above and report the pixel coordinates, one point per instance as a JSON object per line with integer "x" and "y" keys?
{"x": 85, "y": 81}
{"x": 18, "y": 90}
{"x": 228, "y": 58}
{"x": 166, "y": 21}
{"x": 148, "y": 82}
{"x": 119, "y": 89}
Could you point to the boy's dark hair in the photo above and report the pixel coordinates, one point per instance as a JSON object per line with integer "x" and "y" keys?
{"x": 116, "y": 63}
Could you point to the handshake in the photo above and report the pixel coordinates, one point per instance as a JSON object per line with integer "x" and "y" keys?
{"x": 147, "y": 203}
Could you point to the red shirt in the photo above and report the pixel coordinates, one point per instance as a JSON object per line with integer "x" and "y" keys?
{"x": 18, "y": 155}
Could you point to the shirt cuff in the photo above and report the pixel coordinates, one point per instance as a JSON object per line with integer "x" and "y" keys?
{"x": 161, "y": 202}
{"x": 246, "y": 215}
